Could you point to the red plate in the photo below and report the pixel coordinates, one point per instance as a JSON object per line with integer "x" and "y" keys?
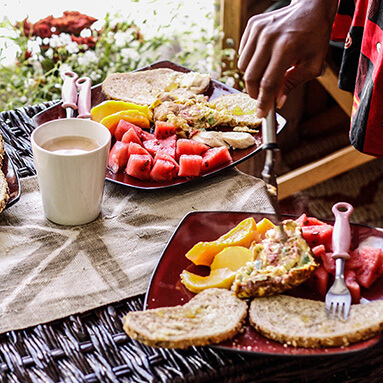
{"x": 215, "y": 90}
{"x": 166, "y": 289}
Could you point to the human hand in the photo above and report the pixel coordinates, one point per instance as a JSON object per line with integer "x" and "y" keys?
{"x": 282, "y": 49}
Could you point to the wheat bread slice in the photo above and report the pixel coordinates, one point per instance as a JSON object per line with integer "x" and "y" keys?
{"x": 2, "y": 152}
{"x": 302, "y": 322}
{"x": 212, "y": 316}
{"x": 4, "y": 191}
{"x": 143, "y": 87}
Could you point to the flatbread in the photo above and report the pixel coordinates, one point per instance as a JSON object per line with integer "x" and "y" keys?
{"x": 212, "y": 316}
{"x": 302, "y": 322}
{"x": 143, "y": 87}
{"x": 4, "y": 191}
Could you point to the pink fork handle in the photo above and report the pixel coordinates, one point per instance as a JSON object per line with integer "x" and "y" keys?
{"x": 69, "y": 90}
{"x": 341, "y": 236}
{"x": 84, "y": 97}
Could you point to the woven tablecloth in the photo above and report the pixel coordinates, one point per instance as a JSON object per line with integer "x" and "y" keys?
{"x": 50, "y": 271}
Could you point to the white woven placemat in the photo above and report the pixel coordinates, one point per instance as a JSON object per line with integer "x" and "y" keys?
{"x": 50, "y": 271}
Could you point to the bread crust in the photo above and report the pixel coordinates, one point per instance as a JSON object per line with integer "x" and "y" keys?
{"x": 211, "y": 317}
{"x": 2, "y": 152}
{"x": 302, "y": 322}
{"x": 4, "y": 190}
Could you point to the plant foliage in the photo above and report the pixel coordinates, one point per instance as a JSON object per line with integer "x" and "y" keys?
{"x": 51, "y": 46}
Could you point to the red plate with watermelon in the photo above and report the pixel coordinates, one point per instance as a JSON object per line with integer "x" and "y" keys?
{"x": 365, "y": 272}
{"x": 214, "y": 161}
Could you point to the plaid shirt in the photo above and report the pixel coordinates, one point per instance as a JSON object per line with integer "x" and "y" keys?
{"x": 359, "y": 23}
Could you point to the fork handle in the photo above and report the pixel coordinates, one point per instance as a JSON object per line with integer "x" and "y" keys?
{"x": 269, "y": 130}
{"x": 69, "y": 90}
{"x": 84, "y": 97}
{"x": 341, "y": 236}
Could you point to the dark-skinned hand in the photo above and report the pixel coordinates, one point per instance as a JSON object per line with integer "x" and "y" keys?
{"x": 282, "y": 49}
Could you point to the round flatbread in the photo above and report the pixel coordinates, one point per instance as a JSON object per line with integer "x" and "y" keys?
{"x": 143, "y": 87}
{"x": 302, "y": 322}
{"x": 212, "y": 316}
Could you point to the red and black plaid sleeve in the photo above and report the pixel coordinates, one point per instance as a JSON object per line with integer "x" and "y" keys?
{"x": 343, "y": 20}
{"x": 361, "y": 71}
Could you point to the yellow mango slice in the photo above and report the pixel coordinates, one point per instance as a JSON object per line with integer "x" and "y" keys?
{"x": 232, "y": 258}
{"x": 133, "y": 116}
{"x": 263, "y": 225}
{"x": 109, "y": 107}
{"x": 221, "y": 278}
{"x": 243, "y": 234}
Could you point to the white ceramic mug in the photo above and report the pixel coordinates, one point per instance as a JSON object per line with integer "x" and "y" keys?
{"x": 71, "y": 184}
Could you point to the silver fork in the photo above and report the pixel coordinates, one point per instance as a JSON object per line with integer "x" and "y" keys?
{"x": 338, "y": 298}
{"x": 270, "y": 146}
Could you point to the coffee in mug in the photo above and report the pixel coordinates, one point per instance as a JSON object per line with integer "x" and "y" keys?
{"x": 70, "y": 145}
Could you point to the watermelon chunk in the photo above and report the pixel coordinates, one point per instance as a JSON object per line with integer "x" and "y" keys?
{"x": 135, "y": 148}
{"x": 301, "y": 220}
{"x": 328, "y": 262}
{"x": 152, "y": 146}
{"x": 118, "y": 156}
{"x": 168, "y": 145}
{"x": 215, "y": 157}
{"x": 354, "y": 262}
{"x": 131, "y": 136}
{"x": 145, "y": 136}
{"x": 319, "y": 280}
{"x": 352, "y": 284}
{"x": 164, "y": 129}
{"x": 319, "y": 251}
{"x": 190, "y": 165}
{"x": 139, "y": 165}
{"x": 318, "y": 235}
{"x": 162, "y": 155}
{"x": 186, "y": 146}
{"x": 165, "y": 168}
{"x": 304, "y": 220}
{"x": 371, "y": 267}
{"x": 123, "y": 126}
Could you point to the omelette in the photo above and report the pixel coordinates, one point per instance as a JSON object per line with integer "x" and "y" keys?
{"x": 280, "y": 263}
{"x": 197, "y": 113}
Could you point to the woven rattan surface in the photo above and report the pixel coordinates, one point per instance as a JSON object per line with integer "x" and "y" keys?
{"x": 92, "y": 347}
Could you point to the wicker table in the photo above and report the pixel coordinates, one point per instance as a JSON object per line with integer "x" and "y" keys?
{"x": 92, "y": 347}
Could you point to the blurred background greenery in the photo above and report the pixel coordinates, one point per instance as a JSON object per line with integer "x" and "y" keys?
{"x": 38, "y": 44}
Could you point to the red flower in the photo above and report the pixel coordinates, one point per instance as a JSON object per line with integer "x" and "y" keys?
{"x": 73, "y": 22}
{"x": 89, "y": 41}
{"x": 43, "y": 27}
{"x": 27, "y": 26}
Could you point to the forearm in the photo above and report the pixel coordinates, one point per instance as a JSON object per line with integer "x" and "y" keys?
{"x": 322, "y": 9}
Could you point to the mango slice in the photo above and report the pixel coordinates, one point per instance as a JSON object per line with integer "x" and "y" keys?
{"x": 109, "y": 107}
{"x": 133, "y": 116}
{"x": 232, "y": 258}
{"x": 243, "y": 234}
{"x": 221, "y": 278}
{"x": 264, "y": 225}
